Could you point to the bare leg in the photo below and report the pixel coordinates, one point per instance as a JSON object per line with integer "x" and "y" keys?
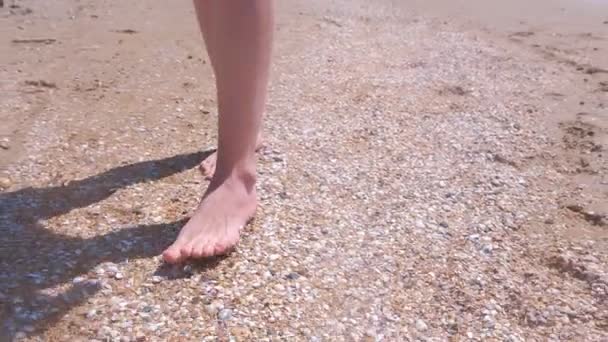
{"x": 239, "y": 38}
{"x": 207, "y": 21}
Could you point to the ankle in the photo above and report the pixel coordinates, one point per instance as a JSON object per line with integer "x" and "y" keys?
{"x": 238, "y": 177}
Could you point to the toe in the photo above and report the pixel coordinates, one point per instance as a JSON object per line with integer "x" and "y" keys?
{"x": 209, "y": 171}
{"x": 172, "y": 254}
{"x": 221, "y": 249}
{"x": 207, "y": 166}
{"x": 186, "y": 251}
{"x": 198, "y": 247}
{"x": 208, "y": 250}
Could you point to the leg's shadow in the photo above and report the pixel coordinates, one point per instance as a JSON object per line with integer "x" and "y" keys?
{"x": 34, "y": 260}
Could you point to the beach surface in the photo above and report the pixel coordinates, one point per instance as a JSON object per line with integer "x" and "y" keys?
{"x": 434, "y": 170}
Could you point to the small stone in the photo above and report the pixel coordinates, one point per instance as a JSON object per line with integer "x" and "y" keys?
{"x": 156, "y": 279}
{"x": 420, "y": 224}
{"x": 421, "y": 325}
{"x": 211, "y": 309}
{"x": 444, "y": 224}
{"x": 489, "y": 321}
{"x": 214, "y": 307}
{"x": 5, "y": 183}
{"x": 119, "y": 276}
{"x": 274, "y": 257}
{"x": 293, "y": 276}
{"x": 487, "y": 249}
{"x": 78, "y": 280}
{"x": 224, "y": 314}
{"x": 112, "y": 268}
{"x": 92, "y": 313}
{"x": 591, "y": 259}
{"x": 5, "y": 144}
{"x": 549, "y": 221}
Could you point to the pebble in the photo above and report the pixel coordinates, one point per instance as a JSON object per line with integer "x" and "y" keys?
{"x": 421, "y": 325}
{"x": 188, "y": 270}
{"x": 420, "y": 224}
{"x": 156, "y": 279}
{"x": 112, "y": 268}
{"x": 5, "y": 144}
{"x": 489, "y": 321}
{"x": 92, "y": 313}
{"x": 213, "y": 308}
{"x": 224, "y": 314}
{"x": 78, "y": 280}
{"x": 119, "y": 276}
{"x": 487, "y": 249}
{"x": 5, "y": 183}
{"x": 293, "y": 276}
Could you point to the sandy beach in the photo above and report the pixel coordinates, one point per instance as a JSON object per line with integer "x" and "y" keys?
{"x": 434, "y": 170}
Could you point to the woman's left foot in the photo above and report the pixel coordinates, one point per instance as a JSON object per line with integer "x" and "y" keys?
{"x": 214, "y": 229}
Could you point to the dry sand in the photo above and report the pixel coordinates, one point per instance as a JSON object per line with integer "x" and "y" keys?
{"x": 568, "y": 32}
{"x": 434, "y": 171}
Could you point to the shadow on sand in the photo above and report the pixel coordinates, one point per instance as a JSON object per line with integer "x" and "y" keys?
{"x": 33, "y": 258}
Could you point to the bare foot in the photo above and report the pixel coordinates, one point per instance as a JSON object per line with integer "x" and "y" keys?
{"x": 207, "y": 166}
{"x": 215, "y": 226}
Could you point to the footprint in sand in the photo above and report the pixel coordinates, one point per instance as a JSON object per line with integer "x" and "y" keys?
{"x": 521, "y": 34}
